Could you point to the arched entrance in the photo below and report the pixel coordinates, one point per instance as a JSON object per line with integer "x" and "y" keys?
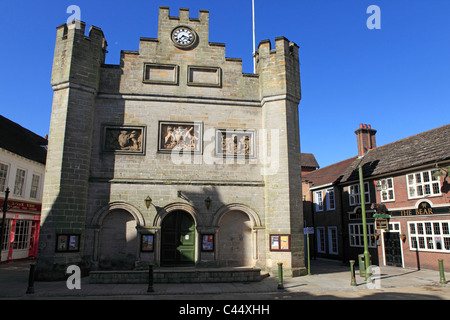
{"x": 235, "y": 239}
{"x": 118, "y": 241}
{"x": 177, "y": 239}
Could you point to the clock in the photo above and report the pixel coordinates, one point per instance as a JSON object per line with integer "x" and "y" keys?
{"x": 184, "y": 37}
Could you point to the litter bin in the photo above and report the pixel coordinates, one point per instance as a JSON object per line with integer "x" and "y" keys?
{"x": 362, "y": 266}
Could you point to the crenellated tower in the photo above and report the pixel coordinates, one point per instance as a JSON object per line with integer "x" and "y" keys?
{"x": 75, "y": 80}
{"x": 279, "y": 79}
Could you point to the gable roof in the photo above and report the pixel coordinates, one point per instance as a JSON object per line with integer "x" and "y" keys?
{"x": 21, "y": 141}
{"x": 329, "y": 174}
{"x": 424, "y": 148}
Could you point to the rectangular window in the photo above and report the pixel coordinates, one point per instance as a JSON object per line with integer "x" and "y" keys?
{"x": 357, "y": 235}
{"x": 3, "y": 176}
{"x": 321, "y": 239}
{"x": 35, "y": 186}
{"x": 333, "y": 240}
{"x": 354, "y": 194}
{"x": 19, "y": 185}
{"x": 387, "y": 190}
{"x": 422, "y": 184}
{"x": 318, "y": 200}
{"x": 429, "y": 236}
{"x": 330, "y": 199}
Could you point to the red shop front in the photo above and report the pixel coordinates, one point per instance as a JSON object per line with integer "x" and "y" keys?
{"x": 21, "y": 235}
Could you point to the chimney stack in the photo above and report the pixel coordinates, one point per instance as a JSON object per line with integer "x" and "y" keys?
{"x": 365, "y": 136}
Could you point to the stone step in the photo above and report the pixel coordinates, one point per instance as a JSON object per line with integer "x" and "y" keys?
{"x": 177, "y": 275}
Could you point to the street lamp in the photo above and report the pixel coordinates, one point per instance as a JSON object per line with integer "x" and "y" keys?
{"x": 148, "y": 202}
{"x": 363, "y": 214}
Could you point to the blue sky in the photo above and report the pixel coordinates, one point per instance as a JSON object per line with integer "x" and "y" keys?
{"x": 397, "y": 78}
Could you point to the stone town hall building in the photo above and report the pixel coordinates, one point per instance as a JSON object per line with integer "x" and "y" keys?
{"x": 174, "y": 156}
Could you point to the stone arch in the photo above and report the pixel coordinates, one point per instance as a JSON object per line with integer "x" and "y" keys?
{"x": 237, "y": 227}
{"x": 254, "y": 217}
{"x": 123, "y": 213}
{"x": 118, "y": 205}
{"x": 163, "y": 212}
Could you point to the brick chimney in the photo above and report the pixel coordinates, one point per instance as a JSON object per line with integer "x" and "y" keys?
{"x": 365, "y": 136}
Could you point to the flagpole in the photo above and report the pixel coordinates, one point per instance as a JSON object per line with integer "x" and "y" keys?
{"x": 254, "y": 50}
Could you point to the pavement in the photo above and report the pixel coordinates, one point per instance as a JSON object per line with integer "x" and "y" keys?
{"x": 328, "y": 280}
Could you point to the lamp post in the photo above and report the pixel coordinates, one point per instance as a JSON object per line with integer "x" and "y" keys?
{"x": 5, "y": 208}
{"x": 363, "y": 216}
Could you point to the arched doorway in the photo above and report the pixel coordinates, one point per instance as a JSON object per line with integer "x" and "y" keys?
{"x": 118, "y": 241}
{"x": 235, "y": 239}
{"x": 177, "y": 239}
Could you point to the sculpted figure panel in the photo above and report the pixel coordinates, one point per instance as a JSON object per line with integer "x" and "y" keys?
{"x": 182, "y": 136}
{"x": 125, "y": 139}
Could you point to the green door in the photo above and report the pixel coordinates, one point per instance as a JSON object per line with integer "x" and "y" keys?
{"x": 178, "y": 239}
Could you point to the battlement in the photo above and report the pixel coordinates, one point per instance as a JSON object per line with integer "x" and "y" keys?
{"x": 278, "y": 68}
{"x": 164, "y": 12}
{"x": 78, "y": 27}
{"x": 77, "y": 57}
{"x": 167, "y": 23}
{"x": 282, "y": 45}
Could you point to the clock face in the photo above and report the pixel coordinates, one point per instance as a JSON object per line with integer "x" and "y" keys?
{"x": 183, "y": 37}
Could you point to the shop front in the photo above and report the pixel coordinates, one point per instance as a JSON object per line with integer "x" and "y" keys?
{"x": 21, "y": 234}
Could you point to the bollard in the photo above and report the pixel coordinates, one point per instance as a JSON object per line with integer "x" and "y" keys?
{"x": 352, "y": 271}
{"x": 280, "y": 276}
{"x": 150, "y": 278}
{"x": 441, "y": 271}
{"x": 30, "y": 288}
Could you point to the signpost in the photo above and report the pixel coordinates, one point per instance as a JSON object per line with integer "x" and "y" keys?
{"x": 308, "y": 231}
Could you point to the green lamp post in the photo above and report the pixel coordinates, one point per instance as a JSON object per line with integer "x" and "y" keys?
{"x": 364, "y": 224}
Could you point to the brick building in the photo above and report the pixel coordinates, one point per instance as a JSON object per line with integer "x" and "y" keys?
{"x": 406, "y": 182}
{"x": 174, "y": 156}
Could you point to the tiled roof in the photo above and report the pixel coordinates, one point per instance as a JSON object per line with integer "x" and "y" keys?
{"x": 329, "y": 174}
{"x": 21, "y": 141}
{"x": 421, "y": 149}
{"x": 308, "y": 160}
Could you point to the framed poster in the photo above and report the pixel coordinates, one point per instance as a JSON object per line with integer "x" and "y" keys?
{"x": 207, "y": 242}
{"x": 235, "y": 143}
{"x": 280, "y": 242}
{"x": 147, "y": 242}
{"x": 274, "y": 242}
{"x": 74, "y": 243}
{"x": 180, "y": 137}
{"x": 61, "y": 243}
{"x": 67, "y": 243}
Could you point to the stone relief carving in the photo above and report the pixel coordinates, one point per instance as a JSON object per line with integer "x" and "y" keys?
{"x": 235, "y": 142}
{"x": 127, "y": 139}
{"x": 180, "y": 136}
